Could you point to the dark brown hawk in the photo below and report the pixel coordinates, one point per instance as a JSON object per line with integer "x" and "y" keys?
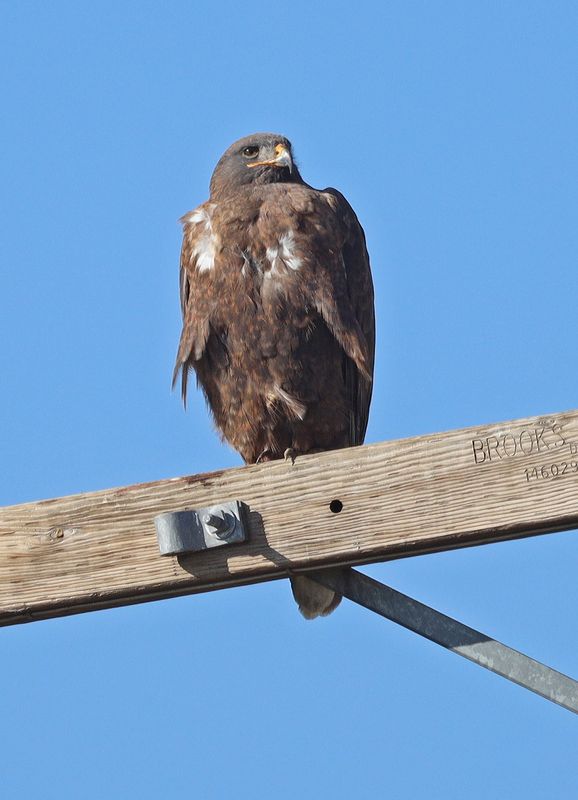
{"x": 278, "y": 319}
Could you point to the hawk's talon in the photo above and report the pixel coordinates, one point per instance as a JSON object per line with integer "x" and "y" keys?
{"x": 261, "y": 457}
{"x": 290, "y": 453}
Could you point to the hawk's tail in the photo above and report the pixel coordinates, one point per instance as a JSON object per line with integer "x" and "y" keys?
{"x": 313, "y": 599}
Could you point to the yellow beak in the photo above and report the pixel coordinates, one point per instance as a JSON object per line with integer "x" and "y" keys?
{"x": 282, "y": 159}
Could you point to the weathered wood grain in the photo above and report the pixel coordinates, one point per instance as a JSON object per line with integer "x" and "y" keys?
{"x": 418, "y": 495}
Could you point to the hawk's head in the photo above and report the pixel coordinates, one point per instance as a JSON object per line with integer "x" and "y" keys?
{"x": 256, "y": 159}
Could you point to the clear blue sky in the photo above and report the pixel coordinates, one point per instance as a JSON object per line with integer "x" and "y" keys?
{"x": 452, "y": 127}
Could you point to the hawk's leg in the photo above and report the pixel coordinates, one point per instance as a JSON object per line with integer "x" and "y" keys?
{"x": 264, "y": 455}
{"x": 290, "y": 453}
{"x": 293, "y": 452}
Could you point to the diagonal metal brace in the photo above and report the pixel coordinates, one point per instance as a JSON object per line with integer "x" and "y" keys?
{"x": 452, "y": 634}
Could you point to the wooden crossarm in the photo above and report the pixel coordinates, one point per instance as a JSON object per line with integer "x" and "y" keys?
{"x": 398, "y": 498}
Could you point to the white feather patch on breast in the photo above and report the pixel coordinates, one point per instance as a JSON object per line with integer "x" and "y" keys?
{"x": 283, "y": 254}
{"x": 205, "y": 245}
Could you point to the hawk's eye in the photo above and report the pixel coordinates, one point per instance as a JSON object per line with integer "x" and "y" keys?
{"x": 251, "y": 152}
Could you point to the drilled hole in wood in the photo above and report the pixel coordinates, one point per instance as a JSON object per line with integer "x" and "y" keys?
{"x": 335, "y": 506}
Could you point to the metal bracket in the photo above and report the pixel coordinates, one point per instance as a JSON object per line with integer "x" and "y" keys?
{"x": 201, "y": 528}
